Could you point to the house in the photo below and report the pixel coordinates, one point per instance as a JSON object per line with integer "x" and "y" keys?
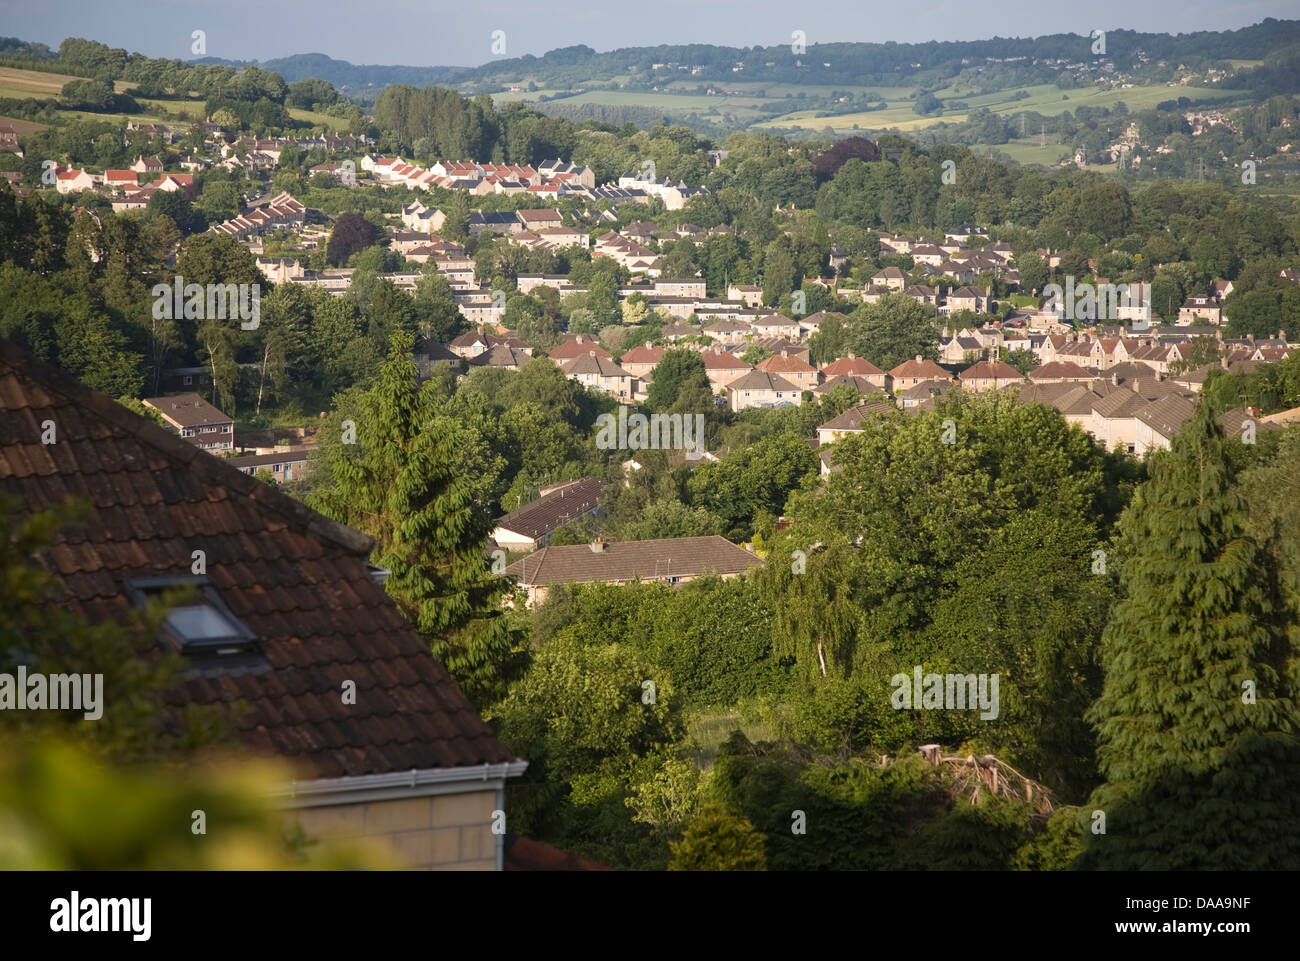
{"x": 502, "y": 355}
{"x": 912, "y": 372}
{"x": 71, "y": 181}
{"x": 891, "y": 278}
{"x": 196, "y": 420}
{"x": 794, "y": 369}
{"x": 854, "y": 366}
{"x": 851, "y": 421}
{"x": 960, "y": 350}
{"x": 729, "y": 331}
{"x": 989, "y": 375}
{"x": 576, "y": 345}
{"x": 147, "y": 165}
{"x": 286, "y": 614}
{"x": 923, "y": 395}
{"x": 760, "y": 388}
{"x": 965, "y": 298}
{"x": 723, "y": 368}
{"x": 751, "y": 295}
{"x": 641, "y": 360}
{"x": 672, "y": 560}
{"x": 531, "y": 525}
{"x": 540, "y": 219}
{"x": 1061, "y": 372}
{"x": 600, "y": 373}
{"x": 1200, "y": 310}
{"x": 469, "y": 345}
{"x": 285, "y": 464}
{"x": 121, "y": 179}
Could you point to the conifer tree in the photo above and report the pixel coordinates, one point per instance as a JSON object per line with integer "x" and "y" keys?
{"x": 1196, "y": 721}
{"x": 402, "y": 482}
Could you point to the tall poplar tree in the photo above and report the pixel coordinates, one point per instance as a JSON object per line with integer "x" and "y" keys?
{"x": 401, "y": 480}
{"x": 1196, "y": 722}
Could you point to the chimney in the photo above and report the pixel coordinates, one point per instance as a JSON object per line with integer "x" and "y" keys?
{"x": 597, "y": 546}
{"x": 591, "y": 353}
{"x": 1114, "y": 379}
{"x": 918, "y": 358}
{"x": 851, "y": 357}
{"x": 784, "y": 352}
{"x": 647, "y": 345}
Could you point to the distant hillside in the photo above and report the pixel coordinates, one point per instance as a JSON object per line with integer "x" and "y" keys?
{"x": 349, "y": 78}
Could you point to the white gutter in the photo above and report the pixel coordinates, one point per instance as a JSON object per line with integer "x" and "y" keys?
{"x": 402, "y": 784}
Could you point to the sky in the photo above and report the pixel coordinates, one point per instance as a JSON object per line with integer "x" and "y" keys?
{"x": 427, "y": 33}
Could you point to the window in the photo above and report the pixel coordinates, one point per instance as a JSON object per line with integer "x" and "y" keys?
{"x": 187, "y": 380}
{"x": 199, "y": 623}
{"x": 188, "y": 432}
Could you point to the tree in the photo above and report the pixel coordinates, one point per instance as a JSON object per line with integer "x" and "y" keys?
{"x": 894, "y": 329}
{"x": 352, "y": 234}
{"x": 1197, "y": 721}
{"x": 403, "y": 483}
{"x": 1021, "y": 359}
{"x": 676, "y": 370}
{"x": 718, "y": 839}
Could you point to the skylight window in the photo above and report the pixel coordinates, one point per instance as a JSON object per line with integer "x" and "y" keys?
{"x": 200, "y": 624}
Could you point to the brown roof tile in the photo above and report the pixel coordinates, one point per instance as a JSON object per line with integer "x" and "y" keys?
{"x": 298, "y": 580}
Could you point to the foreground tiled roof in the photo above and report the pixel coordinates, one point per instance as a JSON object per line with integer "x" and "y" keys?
{"x": 554, "y": 509}
{"x": 296, "y": 579}
{"x": 525, "y": 854}
{"x": 626, "y": 560}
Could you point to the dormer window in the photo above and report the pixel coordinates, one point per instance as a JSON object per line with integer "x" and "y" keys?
{"x": 200, "y": 624}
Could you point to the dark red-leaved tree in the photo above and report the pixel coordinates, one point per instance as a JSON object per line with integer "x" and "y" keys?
{"x": 352, "y": 233}
{"x": 825, "y": 166}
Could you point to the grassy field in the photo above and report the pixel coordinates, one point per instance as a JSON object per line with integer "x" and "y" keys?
{"x": 22, "y": 126}
{"x": 22, "y": 84}
{"x": 334, "y": 124}
{"x": 1027, "y": 151}
{"x": 1045, "y": 99}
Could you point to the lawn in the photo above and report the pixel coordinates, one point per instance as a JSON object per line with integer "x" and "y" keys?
{"x": 708, "y": 727}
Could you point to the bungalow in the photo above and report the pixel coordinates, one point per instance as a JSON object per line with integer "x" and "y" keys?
{"x": 193, "y": 418}
{"x": 531, "y": 525}
{"x": 671, "y": 560}
{"x": 760, "y": 388}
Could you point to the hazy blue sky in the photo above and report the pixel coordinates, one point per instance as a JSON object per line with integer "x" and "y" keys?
{"x": 432, "y": 33}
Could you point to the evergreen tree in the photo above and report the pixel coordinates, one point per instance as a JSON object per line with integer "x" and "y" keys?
{"x": 402, "y": 483}
{"x": 1196, "y": 721}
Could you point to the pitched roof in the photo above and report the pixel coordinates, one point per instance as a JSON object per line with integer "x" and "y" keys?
{"x": 593, "y": 363}
{"x": 853, "y": 418}
{"x": 626, "y": 560}
{"x": 761, "y": 380}
{"x": 852, "y": 365}
{"x": 187, "y": 410}
{"x": 918, "y": 367}
{"x": 990, "y": 370}
{"x": 553, "y": 509}
{"x": 297, "y": 580}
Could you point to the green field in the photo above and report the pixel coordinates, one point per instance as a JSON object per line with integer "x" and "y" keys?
{"x": 1045, "y": 99}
